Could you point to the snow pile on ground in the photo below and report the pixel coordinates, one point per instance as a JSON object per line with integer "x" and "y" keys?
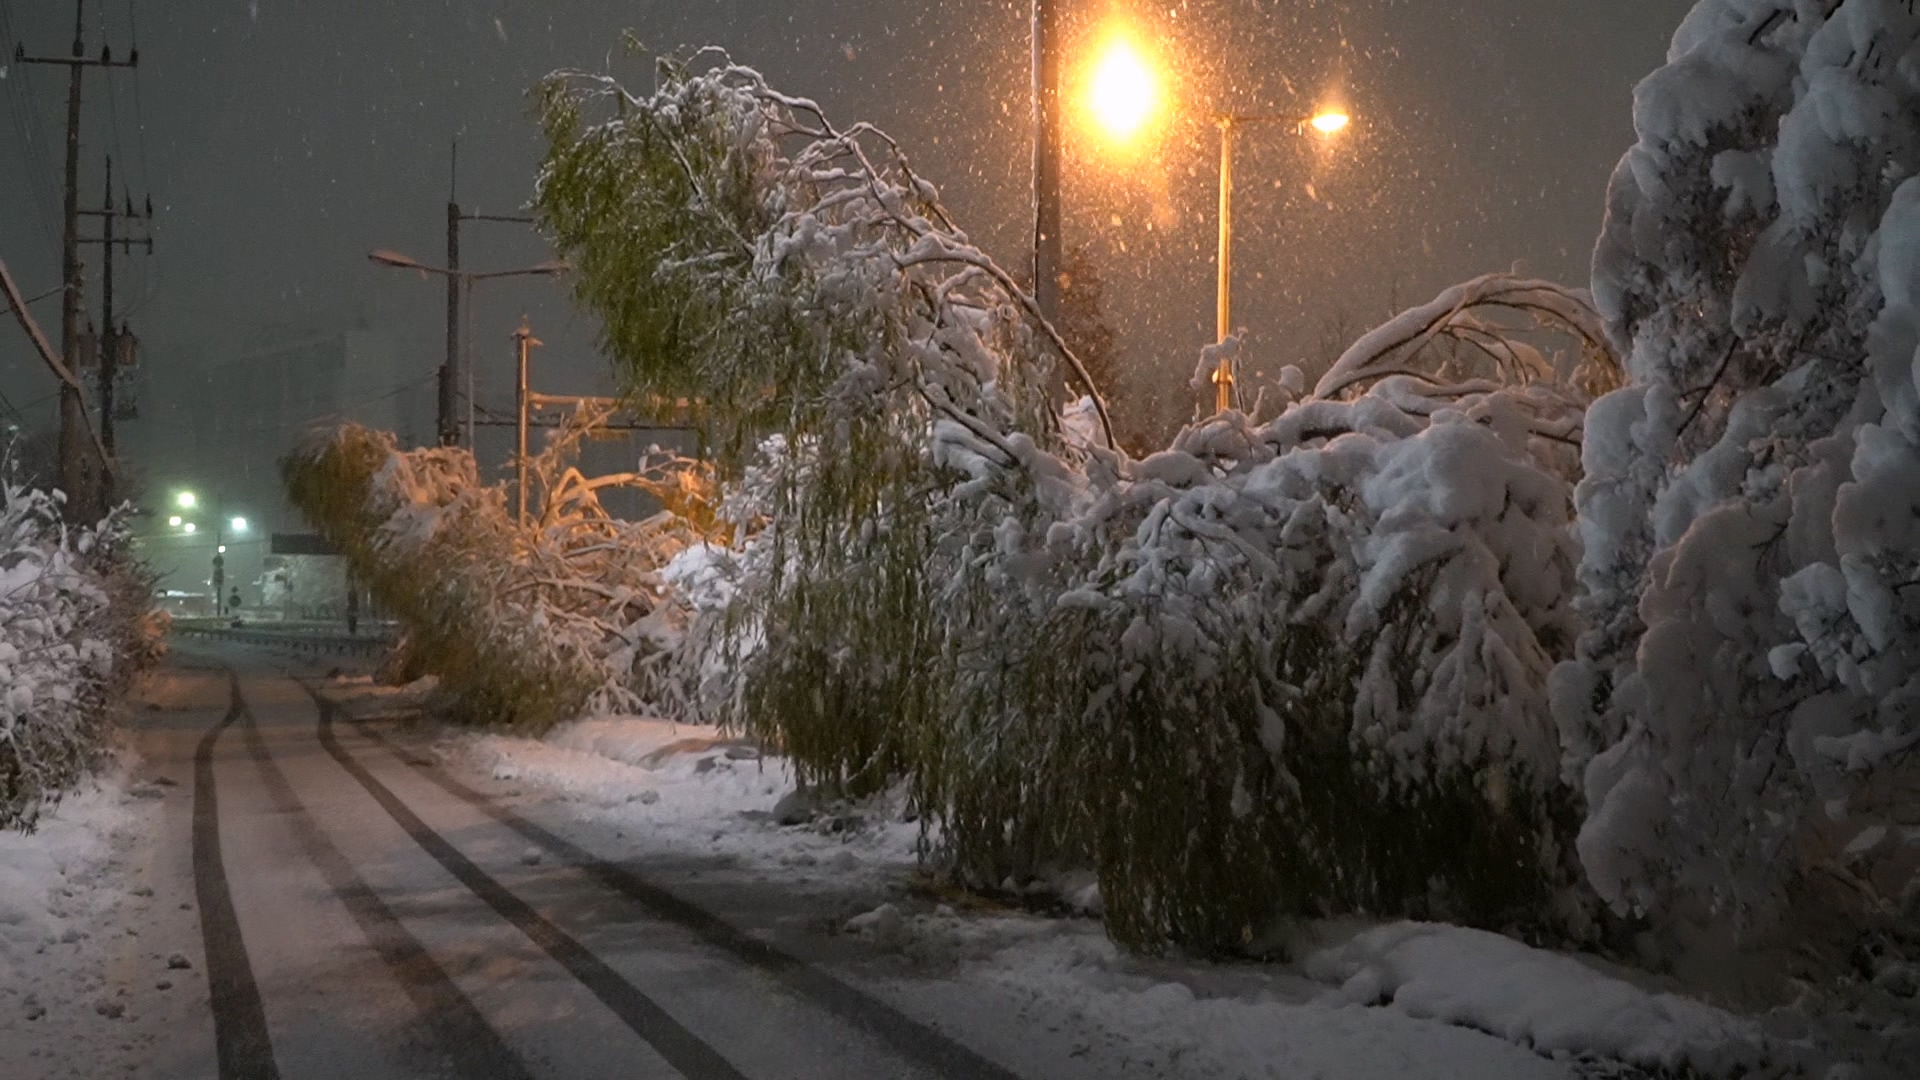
{"x": 685, "y": 789}
{"x": 1389, "y": 1003}
{"x": 1746, "y": 702}
{"x": 1531, "y": 997}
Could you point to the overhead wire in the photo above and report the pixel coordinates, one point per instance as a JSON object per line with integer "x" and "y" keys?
{"x": 144, "y": 292}
{"x": 22, "y": 105}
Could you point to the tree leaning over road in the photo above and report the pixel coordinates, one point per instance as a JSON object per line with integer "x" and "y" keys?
{"x": 1276, "y": 669}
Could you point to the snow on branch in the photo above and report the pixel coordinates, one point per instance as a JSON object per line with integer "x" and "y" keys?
{"x": 1467, "y": 314}
{"x": 743, "y": 248}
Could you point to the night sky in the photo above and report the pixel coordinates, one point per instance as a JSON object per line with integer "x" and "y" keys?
{"x": 280, "y": 141}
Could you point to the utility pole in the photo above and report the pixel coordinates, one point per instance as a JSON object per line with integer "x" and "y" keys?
{"x": 450, "y": 371}
{"x": 1046, "y": 157}
{"x": 111, "y": 338}
{"x": 74, "y": 477}
{"x": 453, "y": 372}
{"x": 524, "y": 342}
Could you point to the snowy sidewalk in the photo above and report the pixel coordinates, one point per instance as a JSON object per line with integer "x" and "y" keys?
{"x": 1393, "y": 1000}
{"x": 99, "y": 944}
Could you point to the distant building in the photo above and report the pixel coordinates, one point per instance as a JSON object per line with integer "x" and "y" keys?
{"x": 229, "y": 424}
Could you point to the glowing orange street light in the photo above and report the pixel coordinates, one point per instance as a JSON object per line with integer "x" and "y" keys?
{"x": 1328, "y": 122}
{"x": 1124, "y": 91}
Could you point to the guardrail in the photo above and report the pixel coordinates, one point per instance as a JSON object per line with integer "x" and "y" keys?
{"x": 311, "y": 644}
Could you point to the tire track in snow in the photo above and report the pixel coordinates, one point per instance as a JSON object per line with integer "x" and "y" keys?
{"x": 455, "y": 1026}
{"x": 905, "y": 1036}
{"x": 242, "y": 1044}
{"x": 680, "y": 1047}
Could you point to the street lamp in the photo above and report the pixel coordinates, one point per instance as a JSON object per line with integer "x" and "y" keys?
{"x": 449, "y": 377}
{"x": 1327, "y": 122}
{"x": 1123, "y": 92}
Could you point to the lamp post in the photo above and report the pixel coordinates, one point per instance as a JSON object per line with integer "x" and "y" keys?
{"x": 449, "y": 375}
{"x": 1046, "y": 156}
{"x": 1327, "y": 122}
{"x": 187, "y": 502}
{"x": 1123, "y": 94}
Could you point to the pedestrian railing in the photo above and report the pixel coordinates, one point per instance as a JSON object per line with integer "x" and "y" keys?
{"x": 309, "y": 643}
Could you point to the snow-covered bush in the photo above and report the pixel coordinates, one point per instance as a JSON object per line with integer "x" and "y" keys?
{"x": 525, "y": 625}
{"x": 1292, "y": 668}
{"x": 1283, "y": 668}
{"x": 1746, "y": 698}
{"x": 74, "y": 626}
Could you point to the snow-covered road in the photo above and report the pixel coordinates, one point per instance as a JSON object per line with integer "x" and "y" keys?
{"x": 363, "y": 914}
{"x": 302, "y": 891}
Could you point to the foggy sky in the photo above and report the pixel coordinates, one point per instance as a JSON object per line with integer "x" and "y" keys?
{"x": 283, "y": 139}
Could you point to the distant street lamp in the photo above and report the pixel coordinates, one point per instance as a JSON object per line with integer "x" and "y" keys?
{"x": 449, "y": 375}
{"x": 1327, "y": 122}
{"x": 238, "y": 524}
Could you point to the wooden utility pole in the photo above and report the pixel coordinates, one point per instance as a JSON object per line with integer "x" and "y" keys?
{"x": 1046, "y": 157}
{"x": 111, "y": 338}
{"x": 450, "y": 372}
{"x": 18, "y": 305}
{"x": 74, "y": 473}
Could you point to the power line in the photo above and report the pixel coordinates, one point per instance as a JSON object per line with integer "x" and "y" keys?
{"x": 143, "y": 292}
{"x": 21, "y": 106}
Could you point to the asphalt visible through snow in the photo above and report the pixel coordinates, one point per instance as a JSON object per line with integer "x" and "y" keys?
{"x": 363, "y": 912}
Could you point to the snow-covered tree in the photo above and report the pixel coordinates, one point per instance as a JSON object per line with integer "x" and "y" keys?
{"x": 525, "y": 623}
{"x": 800, "y": 280}
{"x": 1748, "y": 685}
{"x": 1284, "y": 667}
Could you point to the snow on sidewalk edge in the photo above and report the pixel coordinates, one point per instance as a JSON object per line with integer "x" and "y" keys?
{"x": 1544, "y": 1000}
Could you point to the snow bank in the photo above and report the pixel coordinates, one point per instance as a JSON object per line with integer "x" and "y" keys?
{"x": 1188, "y": 1020}
{"x": 1534, "y": 998}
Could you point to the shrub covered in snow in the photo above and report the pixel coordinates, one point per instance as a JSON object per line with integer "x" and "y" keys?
{"x": 74, "y": 626}
{"x": 1746, "y": 700}
{"x": 527, "y": 624}
{"x": 1280, "y": 668}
